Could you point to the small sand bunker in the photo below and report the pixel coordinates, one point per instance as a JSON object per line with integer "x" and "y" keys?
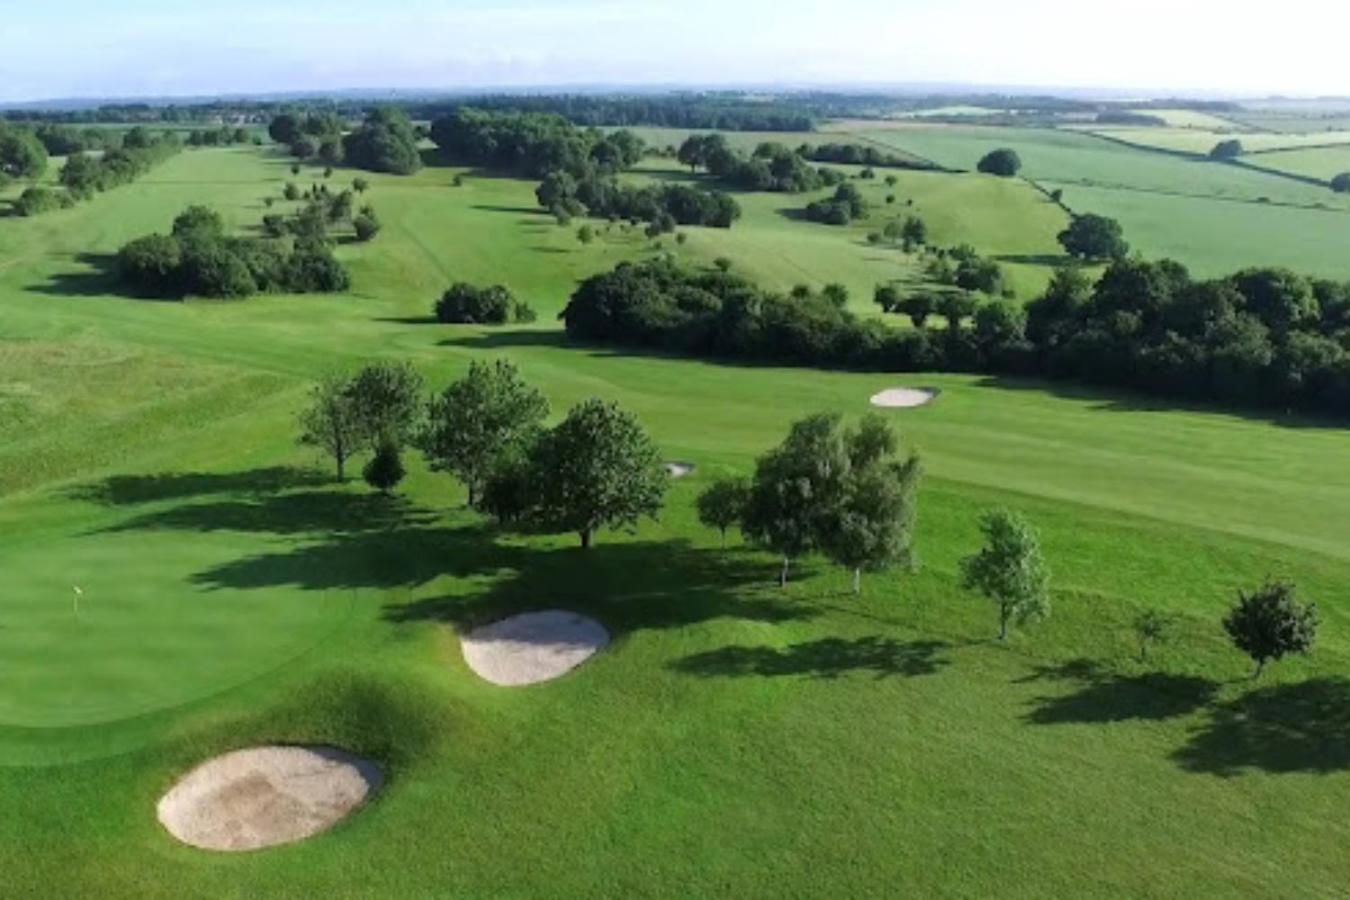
{"x": 266, "y": 796}
{"x": 904, "y": 398}
{"x": 533, "y": 647}
{"x": 679, "y": 469}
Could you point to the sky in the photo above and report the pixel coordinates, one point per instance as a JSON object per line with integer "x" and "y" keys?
{"x": 98, "y": 48}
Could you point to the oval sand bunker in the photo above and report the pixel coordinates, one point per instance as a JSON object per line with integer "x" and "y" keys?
{"x": 903, "y": 398}
{"x": 533, "y": 647}
{"x": 679, "y": 469}
{"x": 264, "y": 796}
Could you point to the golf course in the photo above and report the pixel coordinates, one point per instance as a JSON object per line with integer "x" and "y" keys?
{"x": 184, "y": 579}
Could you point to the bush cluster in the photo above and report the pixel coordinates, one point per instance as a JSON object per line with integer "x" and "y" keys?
{"x": 846, "y": 205}
{"x": 83, "y": 174}
{"x": 466, "y": 304}
{"x": 198, "y": 259}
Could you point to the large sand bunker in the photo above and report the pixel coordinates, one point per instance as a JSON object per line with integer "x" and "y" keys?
{"x": 904, "y": 398}
{"x": 533, "y": 647}
{"x": 266, "y": 796}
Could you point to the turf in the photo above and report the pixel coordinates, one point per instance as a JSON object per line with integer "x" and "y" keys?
{"x": 735, "y": 739}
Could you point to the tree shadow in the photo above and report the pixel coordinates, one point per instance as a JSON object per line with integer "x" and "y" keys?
{"x": 99, "y": 278}
{"x": 824, "y": 658}
{"x": 121, "y": 490}
{"x": 497, "y": 340}
{"x": 408, "y": 320}
{"x": 1036, "y": 259}
{"x": 533, "y": 211}
{"x": 289, "y": 513}
{"x": 1302, "y": 727}
{"x": 627, "y": 586}
{"x": 1115, "y": 399}
{"x": 1104, "y": 696}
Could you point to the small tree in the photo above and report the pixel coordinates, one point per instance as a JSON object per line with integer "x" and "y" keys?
{"x": 914, "y": 233}
{"x": 366, "y": 227}
{"x": 1093, "y": 237}
{"x": 360, "y": 185}
{"x": 1230, "y": 149}
{"x": 488, "y": 413}
{"x": 872, "y": 526}
{"x": 330, "y": 421}
{"x": 796, "y": 485}
{"x": 586, "y": 235}
{"x": 598, "y": 469}
{"x": 919, "y": 307}
{"x": 887, "y": 296}
{"x": 722, "y": 263}
{"x": 1002, "y": 162}
{"x": 291, "y": 192}
{"x": 1270, "y": 622}
{"x": 722, "y": 504}
{"x": 1009, "y": 570}
{"x": 1151, "y": 627}
{"x": 385, "y": 469}
{"x": 1341, "y": 183}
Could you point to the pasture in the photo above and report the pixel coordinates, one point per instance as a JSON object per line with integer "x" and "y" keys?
{"x": 735, "y": 737}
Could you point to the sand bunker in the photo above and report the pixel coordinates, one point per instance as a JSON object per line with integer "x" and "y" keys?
{"x": 533, "y": 647}
{"x": 904, "y": 398}
{"x": 266, "y": 796}
{"x": 679, "y": 469}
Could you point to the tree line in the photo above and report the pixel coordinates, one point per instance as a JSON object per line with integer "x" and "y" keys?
{"x": 1260, "y": 337}
{"x": 385, "y": 141}
{"x": 85, "y": 174}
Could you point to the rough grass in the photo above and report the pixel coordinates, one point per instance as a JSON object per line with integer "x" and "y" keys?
{"x": 735, "y": 739}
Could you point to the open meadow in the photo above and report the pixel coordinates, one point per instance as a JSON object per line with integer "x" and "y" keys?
{"x": 735, "y": 738}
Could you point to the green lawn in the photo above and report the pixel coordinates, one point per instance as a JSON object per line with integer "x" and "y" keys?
{"x": 735, "y": 739}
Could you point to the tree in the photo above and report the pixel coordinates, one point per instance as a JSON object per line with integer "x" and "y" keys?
{"x": 1341, "y": 183}
{"x": 887, "y": 296}
{"x": 914, "y": 233}
{"x": 385, "y": 469}
{"x": 918, "y": 307}
{"x": 1009, "y": 570}
{"x": 22, "y": 155}
{"x": 722, "y": 504}
{"x": 872, "y": 526}
{"x": 1151, "y": 627}
{"x": 955, "y": 308}
{"x": 1094, "y": 237}
{"x": 488, "y": 413}
{"x": 1270, "y": 623}
{"x": 360, "y": 185}
{"x": 291, "y": 192}
{"x": 284, "y": 129}
{"x": 386, "y": 399}
{"x": 295, "y": 168}
{"x": 795, "y": 486}
{"x": 586, "y": 235}
{"x": 598, "y": 469}
{"x": 1002, "y": 162}
{"x": 367, "y": 226}
{"x": 1230, "y": 149}
{"x": 330, "y": 421}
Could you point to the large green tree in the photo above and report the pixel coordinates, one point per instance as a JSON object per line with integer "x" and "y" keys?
{"x": 1002, "y": 162}
{"x": 1270, "y": 623}
{"x": 1094, "y": 237}
{"x": 330, "y": 421}
{"x": 21, "y": 153}
{"x": 489, "y": 412}
{"x": 386, "y": 400}
{"x": 597, "y": 469}
{"x": 1009, "y": 570}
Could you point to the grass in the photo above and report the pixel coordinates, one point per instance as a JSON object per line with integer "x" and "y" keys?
{"x": 735, "y": 739}
{"x": 1324, "y": 163}
{"x": 1192, "y": 140}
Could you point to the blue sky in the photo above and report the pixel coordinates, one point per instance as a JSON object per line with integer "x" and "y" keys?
{"x": 158, "y": 47}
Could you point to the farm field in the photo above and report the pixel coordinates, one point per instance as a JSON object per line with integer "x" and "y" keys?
{"x": 1324, "y": 163}
{"x": 1144, "y": 190}
{"x": 1188, "y": 140}
{"x": 735, "y": 737}
{"x": 1193, "y": 118}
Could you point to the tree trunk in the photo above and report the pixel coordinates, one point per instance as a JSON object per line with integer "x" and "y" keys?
{"x": 341, "y": 467}
{"x": 473, "y": 493}
{"x": 724, "y": 539}
{"x": 783, "y": 573}
{"x": 585, "y": 539}
{"x": 857, "y": 582}
{"x": 1260, "y": 665}
{"x": 1002, "y": 624}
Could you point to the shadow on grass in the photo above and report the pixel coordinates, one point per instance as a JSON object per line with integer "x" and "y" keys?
{"x": 1302, "y": 727}
{"x": 304, "y": 512}
{"x": 100, "y": 277}
{"x": 1036, "y": 259}
{"x": 497, "y": 340}
{"x": 824, "y": 658}
{"x": 121, "y": 490}
{"x": 1103, "y": 696}
{"x": 533, "y": 211}
{"x": 1123, "y": 400}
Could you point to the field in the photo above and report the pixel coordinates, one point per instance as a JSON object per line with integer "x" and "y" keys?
{"x": 1190, "y": 140}
{"x": 1325, "y": 163}
{"x": 1191, "y": 118}
{"x": 736, "y": 739}
{"x": 1227, "y": 210}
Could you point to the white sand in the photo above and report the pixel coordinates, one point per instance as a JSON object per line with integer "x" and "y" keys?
{"x": 266, "y": 796}
{"x": 903, "y": 398}
{"x": 679, "y": 469}
{"x": 533, "y": 647}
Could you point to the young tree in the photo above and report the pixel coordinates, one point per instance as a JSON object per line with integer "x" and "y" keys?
{"x": 796, "y": 485}
{"x": 489, "y": 412}
{"x": 385, "y": 469}
{"x": 887, "y": 296}
{"x": 330, "y": 421}
{"x": 872, "y": 526}
{"x": 1230, "y": 149}
{"x": 360, "y": 185}
{"x": 1009, "y": 570}
{"x": 386, "y": 398}
{"x": 598, "y": 469}
{"x": 914, "y": 233}
{"x": 1270, "y": 623}
{"x": 586, "y": 235}
{"x": 1151, "y": 627}
{"x": 722, "y": 504}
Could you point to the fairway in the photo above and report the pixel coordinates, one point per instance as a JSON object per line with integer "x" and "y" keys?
{"x": 731, "y": 738}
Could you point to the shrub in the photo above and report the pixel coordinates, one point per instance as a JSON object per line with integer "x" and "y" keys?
{"x": 465, "y": 304}
{"x": 1002, "y": 162}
